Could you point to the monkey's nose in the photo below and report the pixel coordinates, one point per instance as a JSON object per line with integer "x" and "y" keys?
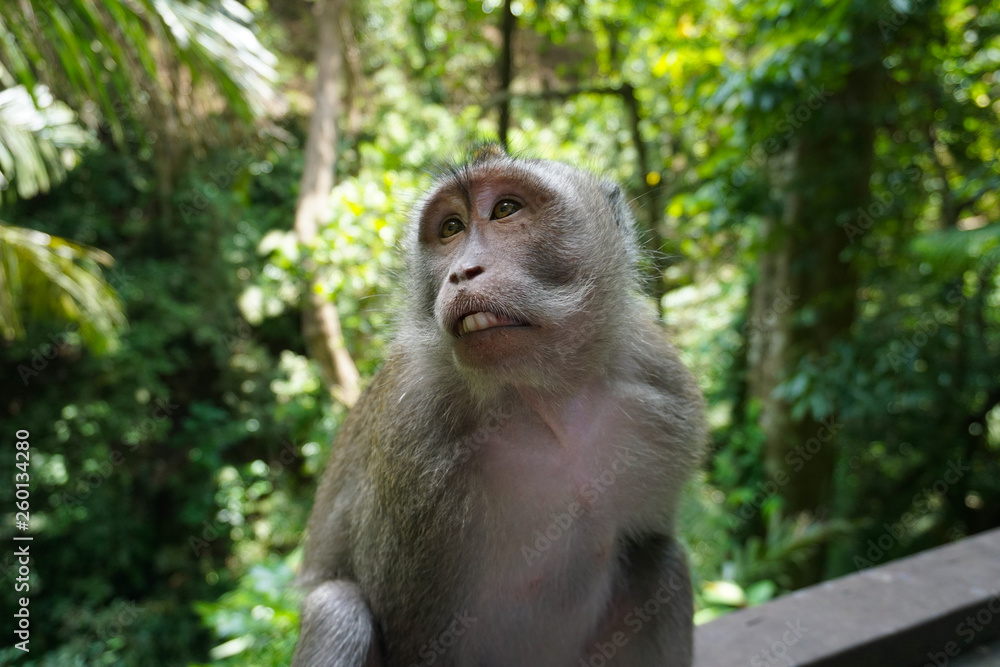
{"x": 465, "y": 274}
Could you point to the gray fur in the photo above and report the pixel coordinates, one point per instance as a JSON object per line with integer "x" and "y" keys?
{"x": 429, "y": 540}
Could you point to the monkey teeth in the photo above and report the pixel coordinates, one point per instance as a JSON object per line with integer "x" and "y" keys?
{"x": 484, "y": 320}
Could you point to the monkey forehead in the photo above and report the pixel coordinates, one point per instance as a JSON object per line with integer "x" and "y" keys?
{"x": 543, "y": 179}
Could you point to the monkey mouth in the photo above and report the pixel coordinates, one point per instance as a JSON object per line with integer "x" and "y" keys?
{"x": 482, "y": 320}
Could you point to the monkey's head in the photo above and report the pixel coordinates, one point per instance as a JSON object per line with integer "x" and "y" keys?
{"x": 523, "y": 269}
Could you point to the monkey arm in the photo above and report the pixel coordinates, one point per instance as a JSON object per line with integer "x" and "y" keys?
{"x": 649, "y": 621}
{"x": 338, "y": 629}
{"x": 660, "y": 619}
{"x": 345, "y": 490}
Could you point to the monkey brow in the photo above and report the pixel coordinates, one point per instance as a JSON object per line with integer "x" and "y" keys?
{"x": 462, "y": 178}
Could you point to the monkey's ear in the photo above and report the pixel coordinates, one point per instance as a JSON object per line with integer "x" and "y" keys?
{"x": 620, "y": 210}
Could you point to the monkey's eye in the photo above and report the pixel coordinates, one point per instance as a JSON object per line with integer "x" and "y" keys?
{"x": 451, "y": 227}
{"x": 504, "y": 208}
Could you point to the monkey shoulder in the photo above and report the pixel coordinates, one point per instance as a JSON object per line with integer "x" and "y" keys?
{"x": 396, "y": 433}
{"x": 388, "y": 407}
{"x": 657, "y": 390}
{"x": 345, "y": 488}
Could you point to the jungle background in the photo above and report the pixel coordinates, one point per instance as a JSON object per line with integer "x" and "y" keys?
{"x": 201, "y": 206}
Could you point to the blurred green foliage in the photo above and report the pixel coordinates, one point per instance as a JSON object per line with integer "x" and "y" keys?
{"x": 173, "y": 473}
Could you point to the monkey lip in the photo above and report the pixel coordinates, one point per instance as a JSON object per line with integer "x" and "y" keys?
{"x": 482, "y": 320}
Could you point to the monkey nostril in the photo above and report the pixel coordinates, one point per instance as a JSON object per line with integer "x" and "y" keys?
{"x": 465, "y": 274}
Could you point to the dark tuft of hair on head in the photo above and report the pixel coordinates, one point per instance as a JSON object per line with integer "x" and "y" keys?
{"x": 482, "y": 152}
{"x": 486, "y": 152}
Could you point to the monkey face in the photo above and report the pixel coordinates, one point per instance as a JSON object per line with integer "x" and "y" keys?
{"x": 507, "y": 249}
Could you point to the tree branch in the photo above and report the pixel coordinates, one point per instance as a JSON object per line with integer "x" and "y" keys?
{"x": 506, "y": 70}
{"x": 321, "y": 321}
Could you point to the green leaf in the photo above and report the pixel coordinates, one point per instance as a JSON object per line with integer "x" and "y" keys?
{"x": 39, "y": 140}
{"x": 46, "y": 277}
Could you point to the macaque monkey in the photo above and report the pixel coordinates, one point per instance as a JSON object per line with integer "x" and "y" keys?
{"x": 504, "y": 493}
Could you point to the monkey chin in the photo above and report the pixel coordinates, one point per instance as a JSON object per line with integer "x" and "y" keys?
{"x": 501, "y": 348}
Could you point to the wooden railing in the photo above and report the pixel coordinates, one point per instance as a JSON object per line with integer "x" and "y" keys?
{"x": 935, "y": 609}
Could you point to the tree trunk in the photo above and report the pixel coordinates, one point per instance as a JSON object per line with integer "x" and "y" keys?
{"x": 650, "y": 195}
{"x": 321, "y": 322}
{"x": 804, "y": 299}
{"x": 354, "y": 88}
{"x": 506, "y": 71}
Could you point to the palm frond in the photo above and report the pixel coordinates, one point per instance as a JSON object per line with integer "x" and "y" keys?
{"x": 111, "y": 54}
{"x": 39, "y": 140}
{"x": 47, "y": 278}
{"x": 218, "y": 40}
{"x": 101, "y": 59}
